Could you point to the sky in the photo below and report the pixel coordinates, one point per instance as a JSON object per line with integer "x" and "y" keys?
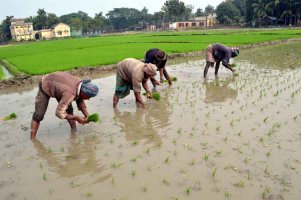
{"x": 26, "y": 8}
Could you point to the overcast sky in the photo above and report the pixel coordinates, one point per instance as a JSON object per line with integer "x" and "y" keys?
{"x": 26, "y": 8}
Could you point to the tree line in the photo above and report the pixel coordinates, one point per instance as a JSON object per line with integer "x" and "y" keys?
{"x": 229, "y": 12}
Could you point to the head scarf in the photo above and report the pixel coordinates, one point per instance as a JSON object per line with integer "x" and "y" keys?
{"x": 150, "y": 69}
{"x": 234, "y": 52}
{"x": 89, "y": 88}
{"x": 160, "y": 55}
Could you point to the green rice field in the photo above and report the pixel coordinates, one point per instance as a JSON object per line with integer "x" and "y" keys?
{"x": 65, "y": 54}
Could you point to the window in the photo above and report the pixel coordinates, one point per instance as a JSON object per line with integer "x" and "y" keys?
{"x": 193, "y": 24}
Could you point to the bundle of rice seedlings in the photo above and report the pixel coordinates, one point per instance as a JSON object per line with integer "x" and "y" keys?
{"x": 10, "y": 117}
{"x": 93, "y": 118}
{"x": 156, "y": 96}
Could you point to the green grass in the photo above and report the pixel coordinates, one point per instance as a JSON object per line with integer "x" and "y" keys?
{"x": 65, "y": 54}
{"x": 1, "y": 72}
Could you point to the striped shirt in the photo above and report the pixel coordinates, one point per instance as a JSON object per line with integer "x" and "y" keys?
{"x": 65, "y": 88}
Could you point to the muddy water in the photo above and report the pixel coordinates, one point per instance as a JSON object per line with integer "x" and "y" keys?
{"x": 219, "y": 138}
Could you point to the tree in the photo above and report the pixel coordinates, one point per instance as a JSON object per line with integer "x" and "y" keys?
{"x": 261, "y": 8}
{"x": 199, "y": 12}
{"x": 40, "y": 21}
{"x": 99, "y": 22}
{"x": 292, "y": 8}
{"x": 159, "y": 17}
{"x": 175, "y": 9}
{"x": 209, "y": 9}
{"x": 227, "y": 13}
{"x": 51, "y": 20}
{"x": 124, "y": 18}
{"x": 79, "y": 20}
{"x": 188, "y": 12}
{"x": 5, "y": 34}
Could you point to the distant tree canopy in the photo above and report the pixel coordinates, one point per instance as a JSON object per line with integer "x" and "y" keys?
{"x": 229, "y": 12}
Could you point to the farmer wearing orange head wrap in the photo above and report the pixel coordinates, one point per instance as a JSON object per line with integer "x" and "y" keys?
{"x": 217, "y": 53}
{"x": 129, "y": 76}
{"x": 65, "y": 88}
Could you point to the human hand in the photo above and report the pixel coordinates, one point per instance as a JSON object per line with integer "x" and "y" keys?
{"x": 81, "y": 120}
{"x": 149, "y": 95}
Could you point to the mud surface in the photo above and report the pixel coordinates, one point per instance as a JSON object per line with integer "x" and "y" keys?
{"x": 215, "y": 138}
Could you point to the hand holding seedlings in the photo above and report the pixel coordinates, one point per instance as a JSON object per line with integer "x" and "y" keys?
{"x": 154, "y": 95}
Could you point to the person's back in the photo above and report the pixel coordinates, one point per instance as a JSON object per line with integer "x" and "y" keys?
{"x": 131, "y": 68}
{"x": 58, "y": 83}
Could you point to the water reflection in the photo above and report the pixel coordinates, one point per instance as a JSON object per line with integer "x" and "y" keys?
{"x": 137, "y": 126}
{"x": 219, "y": 90}
{"x": 79, "y": 159}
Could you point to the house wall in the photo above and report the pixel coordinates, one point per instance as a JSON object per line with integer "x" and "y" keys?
{"x": 22, "y": 31}
{"x": 184, "y": 25}
{"x": 46, "y": 34}
{"x": 62, "y": 30}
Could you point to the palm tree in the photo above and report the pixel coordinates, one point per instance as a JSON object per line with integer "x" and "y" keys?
{"x": 291, "y": 8}
{"x": 260, "y": 8}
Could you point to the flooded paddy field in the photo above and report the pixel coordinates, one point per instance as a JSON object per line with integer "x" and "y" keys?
{"x": 226, "y": 137}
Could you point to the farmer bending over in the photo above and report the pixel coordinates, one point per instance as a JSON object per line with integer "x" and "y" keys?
{"x": 65, "y": 88}
{"x": 129, "y": 76}
{"x": 158, "y": 58}
{"x": 217, "y": 53}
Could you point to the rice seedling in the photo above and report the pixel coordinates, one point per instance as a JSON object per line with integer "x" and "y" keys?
{"x": 144, "y": 188}
{"x": 266, "y": 171}
{"x": 218, "y": 152}
{"x": 166, "y": 182}
{"x": 135, "y": 142}
{"x": 214, "y": 172}
{"x": 206, "y": 156}
{"x": 41, "y": 166}
{"x": 133, "y": 159}
{"x": 116, "y": 165}
{"x": 192, "y": 162}
{"x": 89, "y": 194}
{"x": 44, "y": 177}
{"x": 50, "y": 191}
{"x": 10, "y": 117}
{"x": 227, "y": 195}
{"x": 268, "y": 154}
{"x": 154, "y": 95}
{"x": 49, "y": 150}
{"x": 174, "y": 141}
{"x": 188, "y": 190}
{"x": 265, "y": 119}
{"x": 246, "y": 160}
{"x": 62, "y": 150}
{"x": 93, "y": 117}
{"x": 166, "y": 161}
{"x": 240, "y": 184}
{"x": 266, "y": 193}
{"x": 133, "y": 173}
